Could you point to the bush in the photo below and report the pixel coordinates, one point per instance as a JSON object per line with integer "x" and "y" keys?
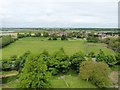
{"x": 96, "y": 72}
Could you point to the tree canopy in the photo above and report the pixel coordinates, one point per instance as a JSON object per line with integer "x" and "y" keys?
{"x": 34, "y": 74}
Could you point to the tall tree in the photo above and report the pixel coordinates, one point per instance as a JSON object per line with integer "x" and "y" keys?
{"x": 34, "y": 73}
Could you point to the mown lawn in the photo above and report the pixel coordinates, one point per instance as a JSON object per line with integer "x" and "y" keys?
{"x": 37, "y": 45}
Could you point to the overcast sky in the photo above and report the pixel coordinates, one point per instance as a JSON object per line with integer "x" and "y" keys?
{"x": 59, "y": 13}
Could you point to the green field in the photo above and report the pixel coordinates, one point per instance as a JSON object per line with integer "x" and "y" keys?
{"x": 37, "y": 45}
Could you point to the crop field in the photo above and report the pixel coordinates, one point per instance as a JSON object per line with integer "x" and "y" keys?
{"x": 37, "y": 45}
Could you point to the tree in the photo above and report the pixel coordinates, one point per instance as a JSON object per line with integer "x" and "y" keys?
{"x": 113, "y": 43}
{"x": 20, "y": 35}
{"x": 37, "y": 34}
{"x": 109, "y": 59}
{"x": 92, "y": 38}
{"x": 96, "y": 72}
{"x": 117, "y": 56}
{"x": 70, "y": 35}
{"x": 13, "y": 58}
{"x": 91, "y": 55}
{"x": 59, "y": 62}
{"x": 5, "y": 65}
{"x": 63, "y": 37}
{"x": 20, "y": 62}
{"x": 6, "y": 40}
{"x": 54, "y": 36}
{"x": 76, "y": 60}
{"x": 49, "y": 38}
{"x": 28, "y": 34}
{"x": 34, "y": 73}
{"x": 45, "y": 34}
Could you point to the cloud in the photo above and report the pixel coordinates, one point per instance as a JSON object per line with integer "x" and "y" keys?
{"x": 59, "y": 13}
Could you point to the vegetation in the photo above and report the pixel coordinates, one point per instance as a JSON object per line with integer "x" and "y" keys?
{"x": 6, "y": 40}
{"x": 20, "y": 62}
{"x": 78, "y": 52}
{"x": 34, "y": 74}
{"x": 109, "y": 59}
{"x": 92, "y": 38}
{"x": 96, "y": 72}
{"x": 70, "y": 81}
{"x": 58, "y": 63}
{"x": 113, "y": 43}
{"x": 64, "y": 37}
{"x": 76, "y": 60}
{"x": 37, "y": 45}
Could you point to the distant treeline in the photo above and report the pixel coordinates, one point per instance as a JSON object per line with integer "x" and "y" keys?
{"x": 48, "y": 29}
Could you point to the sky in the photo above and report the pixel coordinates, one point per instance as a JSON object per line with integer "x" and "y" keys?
{"x": 59, "y": 13}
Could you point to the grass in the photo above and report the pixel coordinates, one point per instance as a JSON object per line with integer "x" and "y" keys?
{"x": 71, "y": 81}
{"x": 37, "y": 45}
{"x": 115, "y": 68}
{"x": 10, "y": 82}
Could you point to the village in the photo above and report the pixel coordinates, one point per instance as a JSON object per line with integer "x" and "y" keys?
{"x": 100, "y": 34}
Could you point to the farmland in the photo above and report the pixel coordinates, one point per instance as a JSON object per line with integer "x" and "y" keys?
{"x": 37, "y": 45}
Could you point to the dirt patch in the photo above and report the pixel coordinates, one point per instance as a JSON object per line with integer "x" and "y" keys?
{"x": 114, "y": 76}
{"x": 8, "y": 75}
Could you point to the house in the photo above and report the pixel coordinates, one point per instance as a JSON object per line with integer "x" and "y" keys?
{"x": 11, "y": 33}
